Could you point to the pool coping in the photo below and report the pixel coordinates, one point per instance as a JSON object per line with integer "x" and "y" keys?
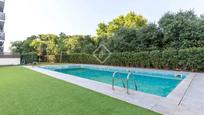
{"x": 163, "y": 105}
{"x": 178, "y": 93}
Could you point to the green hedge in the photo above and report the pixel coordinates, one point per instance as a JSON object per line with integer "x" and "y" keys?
{"x": 29, "y": 58}
{"x": 191, "y": 59}
{"x": 79, "y": 58}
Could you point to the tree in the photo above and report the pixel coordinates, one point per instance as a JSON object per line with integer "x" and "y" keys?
{"x": 40, "y": 47}
{"x": 131, "y": 20}
{"x": 126, "y": 33}
{"x": 180, "y": 29}
{"x": 23, "y": 47}
{"x": 150, "y": 37}
{"x": 16, "y": 47}
{"x": 80, "y": 44}
{"x": 145, "y": 38}
{"x": 50, "y": 41}
{"x": 26, "y": 44}
{"x": 61, "y": 44}
{"x": 125, "y": 40}
{"x": 102, "y": 30}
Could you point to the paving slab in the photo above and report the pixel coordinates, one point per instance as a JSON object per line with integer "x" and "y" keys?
{"x": 193, "y": 101}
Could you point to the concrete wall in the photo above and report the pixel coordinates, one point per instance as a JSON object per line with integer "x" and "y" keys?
{"x": 9, "y": 61}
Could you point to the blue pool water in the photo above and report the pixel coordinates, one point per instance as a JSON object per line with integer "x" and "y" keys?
{"x": 153, "y": 82}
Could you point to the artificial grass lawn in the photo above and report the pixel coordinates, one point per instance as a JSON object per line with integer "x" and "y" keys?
{"x": 25, "y": 92}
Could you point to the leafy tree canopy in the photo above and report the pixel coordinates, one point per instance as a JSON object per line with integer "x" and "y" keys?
{"x": 126, "y": 33}
{"x": 131, "y": 20}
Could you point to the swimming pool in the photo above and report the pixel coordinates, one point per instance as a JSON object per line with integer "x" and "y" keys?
{"x": 155, "y": 82}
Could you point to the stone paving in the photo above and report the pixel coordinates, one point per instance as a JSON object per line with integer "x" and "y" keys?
{"x": 186, "y": 99}
{"x": 193, "y": 101}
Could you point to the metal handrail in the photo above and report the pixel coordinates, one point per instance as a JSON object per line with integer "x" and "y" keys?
{"x": 127, "y": 80}
{"x": 113, "y": 79}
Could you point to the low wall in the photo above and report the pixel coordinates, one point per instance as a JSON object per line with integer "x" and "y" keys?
{"x": 9, "y": 61}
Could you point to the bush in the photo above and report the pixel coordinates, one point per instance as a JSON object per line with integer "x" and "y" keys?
{"x": 79, "y": 58}
{"x": 51, "y": 58}
{"x": 155, "y": 59}
{"x": 29, "y": 58}
{"x": 191, "y": 59}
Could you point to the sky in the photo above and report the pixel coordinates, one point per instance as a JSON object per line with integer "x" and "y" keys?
{"x": 32, "y": 17}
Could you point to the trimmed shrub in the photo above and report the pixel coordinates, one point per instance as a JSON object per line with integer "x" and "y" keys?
{"x": 155, "y": 59}
{"x": 79, "y": 58}
{"x": 191, "y": 59}
{"x": 29, "y": 58}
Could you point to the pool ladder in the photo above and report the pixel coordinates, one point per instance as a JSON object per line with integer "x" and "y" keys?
{"x": 130, "y": 74}
{"x": 113, "y": 79}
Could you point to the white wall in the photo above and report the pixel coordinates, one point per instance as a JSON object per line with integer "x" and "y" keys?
{"x": 9, "y": 61}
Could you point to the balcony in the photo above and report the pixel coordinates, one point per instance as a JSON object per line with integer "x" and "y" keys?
{"x": 1, "y": 43}
{"x": 1, "y": 26}
{"x": 2, "y": 36}
{"x": 2, "y": 2}
{"x": 1, "y": 49}
{"x": 2, "y": 16}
